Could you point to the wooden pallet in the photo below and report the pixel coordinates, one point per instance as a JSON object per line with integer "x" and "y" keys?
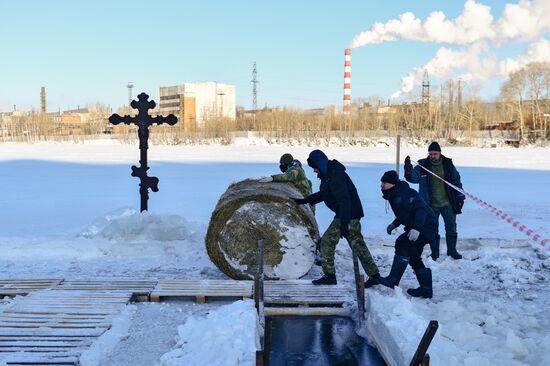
{"x": 54, "y": 327}
{"x": 14, "y": 287}
{"x": 304, "y": 293}
{"x": 139, "y": 289}
{"x": 201, "y": 290}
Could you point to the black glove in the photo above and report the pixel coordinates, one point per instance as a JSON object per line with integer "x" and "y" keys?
{"x": 408, "y": 165}
{"x": 300, "y": 201}
{"x": 344, "y": 229}
{"x": 390, "y": 228}
{"x": 461, "y": 202}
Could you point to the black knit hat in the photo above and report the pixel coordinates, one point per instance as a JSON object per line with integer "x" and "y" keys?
{"x": 390, "y": 176}
{"x": 286, "y": 159}
{"x": 434, "y": 146}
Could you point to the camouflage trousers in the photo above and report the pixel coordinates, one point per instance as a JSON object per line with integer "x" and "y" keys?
{"x": 330, "y": 239}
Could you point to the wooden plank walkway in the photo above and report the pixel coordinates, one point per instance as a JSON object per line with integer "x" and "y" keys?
{"x": 58, "y": 320}
{"x": 54, "y": 326}
{"x": 276, "y": 293}
{"x": 14, "y": 287}
{"x": 200, "y": 290}
{"x": 304, "y": 293}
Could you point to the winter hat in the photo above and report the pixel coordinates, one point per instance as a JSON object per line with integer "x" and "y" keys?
{"x": 434, "y": 146}
{"x": 390, "y": 176}
{"x": 286, "y": 159}
{"x": 318, "y": 160}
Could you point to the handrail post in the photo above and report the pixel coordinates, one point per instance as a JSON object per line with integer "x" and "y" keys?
{"x": 359, "y": 288}
{"x": 262, "y": 356}
{"x": 421, "y": 358}
{"x": 397, "y": 153}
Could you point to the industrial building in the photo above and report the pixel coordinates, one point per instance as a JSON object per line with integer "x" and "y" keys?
{"x": 193, "y": 103}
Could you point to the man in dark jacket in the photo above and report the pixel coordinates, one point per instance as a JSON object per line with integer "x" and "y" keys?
{"x": 420, "y": 228}
{"x": 443, "y": 200}
{"x": 338, "y": 192}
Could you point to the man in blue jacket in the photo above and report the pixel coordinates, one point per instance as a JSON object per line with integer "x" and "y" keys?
{"x": 338, "y": 192}
{"x": 420, "y": 228}
{"x": 443, "y": 200}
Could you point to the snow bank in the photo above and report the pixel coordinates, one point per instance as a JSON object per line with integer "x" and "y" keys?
{"x": 127, "y": 224}
{"x": 489, "y": 307}
{"x": 227, "y": 336}
{"x": 107, "y": 343}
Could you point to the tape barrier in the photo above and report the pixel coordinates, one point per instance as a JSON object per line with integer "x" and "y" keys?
{"x": 545, "y": 243}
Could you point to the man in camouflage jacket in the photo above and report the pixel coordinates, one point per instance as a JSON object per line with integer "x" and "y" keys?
{"x": 292, "y": 172}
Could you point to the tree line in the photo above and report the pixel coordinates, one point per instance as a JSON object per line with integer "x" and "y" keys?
{"x": 523, "y": 104}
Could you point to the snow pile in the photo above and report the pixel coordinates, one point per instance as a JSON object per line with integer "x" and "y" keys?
{"x": 105, "y": 345}
{"x": 127, "y": 225}
{"x": 489, "y": 307}
{"x": 227, "y": 336}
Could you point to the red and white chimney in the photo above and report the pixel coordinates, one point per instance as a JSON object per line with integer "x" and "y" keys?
{"x": 347, "y": 80}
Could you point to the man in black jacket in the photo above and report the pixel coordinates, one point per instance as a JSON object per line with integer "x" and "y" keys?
{"x": 443, "y": 199}
{"x": 420, "y": 228}
{"x": 338, "y": 192}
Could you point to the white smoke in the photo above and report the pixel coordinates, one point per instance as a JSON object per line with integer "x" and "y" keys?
{"x": 473, "y": 24}
{"x": 537, "y": 52}
{"x": 474, "y": 28}
{"x": 522, "y": 21}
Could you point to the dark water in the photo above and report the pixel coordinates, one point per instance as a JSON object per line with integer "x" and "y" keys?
{"x": 319, "y": 341}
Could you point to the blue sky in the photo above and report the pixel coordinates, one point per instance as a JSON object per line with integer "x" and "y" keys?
{"x": 86, "y": 51}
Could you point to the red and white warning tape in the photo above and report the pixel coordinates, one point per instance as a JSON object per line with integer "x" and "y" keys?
{"x": 545, "y": 243}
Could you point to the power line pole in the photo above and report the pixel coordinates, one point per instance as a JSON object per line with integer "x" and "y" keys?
{"x": 426, "y": 89}
{"x": 42, "y": 100}
{"x": 459, "y": 96}
{"x": 254, "y": 81}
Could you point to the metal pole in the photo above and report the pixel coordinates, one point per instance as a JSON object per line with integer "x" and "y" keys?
{"x": 265, "y": 340}
{"x": 359, "y": 287}
{"x": 261, "y": 281}
{"x": 143, "y": 189}
{"x": 397, "y": 153}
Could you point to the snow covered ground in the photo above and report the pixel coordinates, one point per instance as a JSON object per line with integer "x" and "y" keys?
{"x": 70, "y": 211}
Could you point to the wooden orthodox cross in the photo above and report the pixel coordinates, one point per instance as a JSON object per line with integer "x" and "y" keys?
{"x": 143, "y": 120}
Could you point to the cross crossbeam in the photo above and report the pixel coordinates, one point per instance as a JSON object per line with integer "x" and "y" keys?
{"x": 143, "y": 120}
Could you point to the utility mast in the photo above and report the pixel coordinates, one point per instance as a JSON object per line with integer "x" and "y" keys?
{"x": 425, "y": 88}
{"x": 254, "y": 81}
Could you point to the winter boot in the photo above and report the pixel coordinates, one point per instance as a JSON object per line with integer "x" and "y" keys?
{"x": 424, "y": 277}
{"x": 434, "y": 246}
{"x": 398, "y": 267}
{"x": 327, "y": 279}
{"x": 451, "y": 247}
{"x": 373, "y": 280}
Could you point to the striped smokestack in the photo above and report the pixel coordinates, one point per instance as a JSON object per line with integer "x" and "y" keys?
{"x": 347, "y": 80}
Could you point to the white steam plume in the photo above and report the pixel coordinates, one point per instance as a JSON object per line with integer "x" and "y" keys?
{"x": 522, "y": 21}
{"x": 477, "y": 63}
{"x": 537, "y": 52}
{"x": 475, "y": 28}
{"x": 444, "y": 63}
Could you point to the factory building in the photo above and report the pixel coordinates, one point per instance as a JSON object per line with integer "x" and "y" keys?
{"x": 193, "y": 103}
